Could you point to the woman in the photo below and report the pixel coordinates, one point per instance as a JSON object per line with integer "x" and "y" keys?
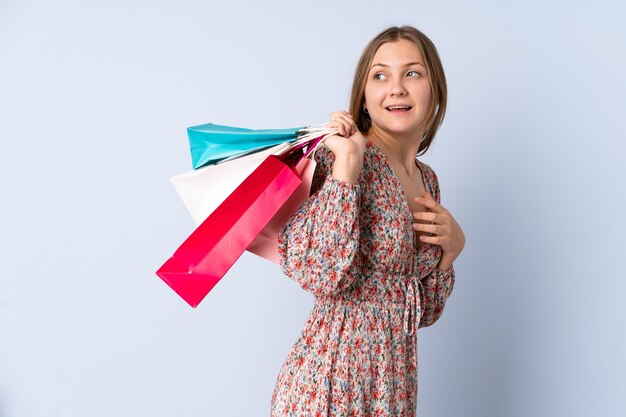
{"x": 372, "y": 242}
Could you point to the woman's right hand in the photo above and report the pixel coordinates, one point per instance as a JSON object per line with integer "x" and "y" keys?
{"x": 348, "y": 147}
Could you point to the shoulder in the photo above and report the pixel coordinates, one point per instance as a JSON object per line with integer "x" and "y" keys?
{"x": 431, "y": 180}
{"x": 428, "y": 171}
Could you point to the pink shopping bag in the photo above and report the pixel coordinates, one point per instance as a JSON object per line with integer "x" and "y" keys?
{"x": 265, "y": 244}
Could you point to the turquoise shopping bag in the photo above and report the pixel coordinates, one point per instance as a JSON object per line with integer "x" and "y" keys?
{"x": 210, "y": 143}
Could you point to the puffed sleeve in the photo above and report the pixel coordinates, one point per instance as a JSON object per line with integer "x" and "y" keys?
{"x": 318, "y": 247}
{"x": 436, "y": 287}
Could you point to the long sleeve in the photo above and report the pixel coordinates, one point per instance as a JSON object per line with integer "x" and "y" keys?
{"x": 436, "y": 287}
{"x": 319, "y": 246}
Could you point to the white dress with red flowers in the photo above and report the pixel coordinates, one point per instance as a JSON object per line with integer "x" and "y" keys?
{"x": 351, "y": 246}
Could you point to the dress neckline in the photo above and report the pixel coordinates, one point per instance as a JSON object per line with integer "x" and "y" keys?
{"x": 398, "y": 186}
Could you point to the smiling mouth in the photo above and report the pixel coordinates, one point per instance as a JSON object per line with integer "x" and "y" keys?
{"x": 398, "y": 108}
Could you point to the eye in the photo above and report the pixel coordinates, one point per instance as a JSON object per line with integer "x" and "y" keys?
{"x": 413, "y": 74}
{"x": 379, "y": 76}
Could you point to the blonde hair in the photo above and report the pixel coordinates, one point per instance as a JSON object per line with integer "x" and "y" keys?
{"x": 436, "y": 78}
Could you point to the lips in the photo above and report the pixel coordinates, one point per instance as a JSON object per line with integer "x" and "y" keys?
{"x": 398, "y": 107}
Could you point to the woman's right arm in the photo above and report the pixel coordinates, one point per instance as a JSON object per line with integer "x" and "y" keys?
{"x": 319, "y": 246}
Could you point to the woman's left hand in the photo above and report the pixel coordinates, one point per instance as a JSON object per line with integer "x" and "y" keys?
{"x": 445, "y": 231}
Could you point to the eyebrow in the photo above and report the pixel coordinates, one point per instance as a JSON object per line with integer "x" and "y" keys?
{"x": 406, "y": 65}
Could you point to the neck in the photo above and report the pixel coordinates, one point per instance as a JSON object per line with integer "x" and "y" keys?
{"x": 400, "y": 149}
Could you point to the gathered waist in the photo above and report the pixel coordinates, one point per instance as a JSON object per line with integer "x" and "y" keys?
{"x": 383, "y": 289}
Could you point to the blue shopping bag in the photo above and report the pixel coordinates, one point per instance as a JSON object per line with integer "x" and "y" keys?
{"x": 210, "y": 143}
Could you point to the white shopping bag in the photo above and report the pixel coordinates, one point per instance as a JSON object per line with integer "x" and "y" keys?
{"x": 204, "y": 189}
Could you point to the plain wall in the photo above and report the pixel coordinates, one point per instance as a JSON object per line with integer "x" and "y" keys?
{"x": 95, "y": 99}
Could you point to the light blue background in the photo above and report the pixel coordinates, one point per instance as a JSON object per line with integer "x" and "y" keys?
{"x": 95, "y": 98}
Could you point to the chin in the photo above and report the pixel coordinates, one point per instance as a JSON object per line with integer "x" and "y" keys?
{"x": 402, "y": 129}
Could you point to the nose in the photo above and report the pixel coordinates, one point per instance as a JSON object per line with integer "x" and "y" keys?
{"x": 397, "y": 88}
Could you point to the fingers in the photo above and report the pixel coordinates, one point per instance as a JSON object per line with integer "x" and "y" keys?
{"x": 427, "y": 216}
{"x": 429, "y": 202}
{"x": 438, "y": 235}
{"x": 344, "y": 123}
{"x": 347, "y": 148}
{"x": 435, "y": 240}
{"x": 443, "y": 229}
{"x": 428, "y": 228}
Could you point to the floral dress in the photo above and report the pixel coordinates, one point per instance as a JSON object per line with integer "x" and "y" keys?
{"x": 352, "y": 247}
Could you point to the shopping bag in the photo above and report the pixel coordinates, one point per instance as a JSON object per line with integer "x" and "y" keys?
{"x": 204, "y": 189}
{"x": 265, "y": 244}
{"x": 211, "y": 250}
{"x": 210, "y": 143}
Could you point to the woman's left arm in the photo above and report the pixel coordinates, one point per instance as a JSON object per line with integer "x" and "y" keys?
{"x": 436, "y": 287}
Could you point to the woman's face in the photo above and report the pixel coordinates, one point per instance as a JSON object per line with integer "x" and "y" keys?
{"x": 397, "y": 91}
